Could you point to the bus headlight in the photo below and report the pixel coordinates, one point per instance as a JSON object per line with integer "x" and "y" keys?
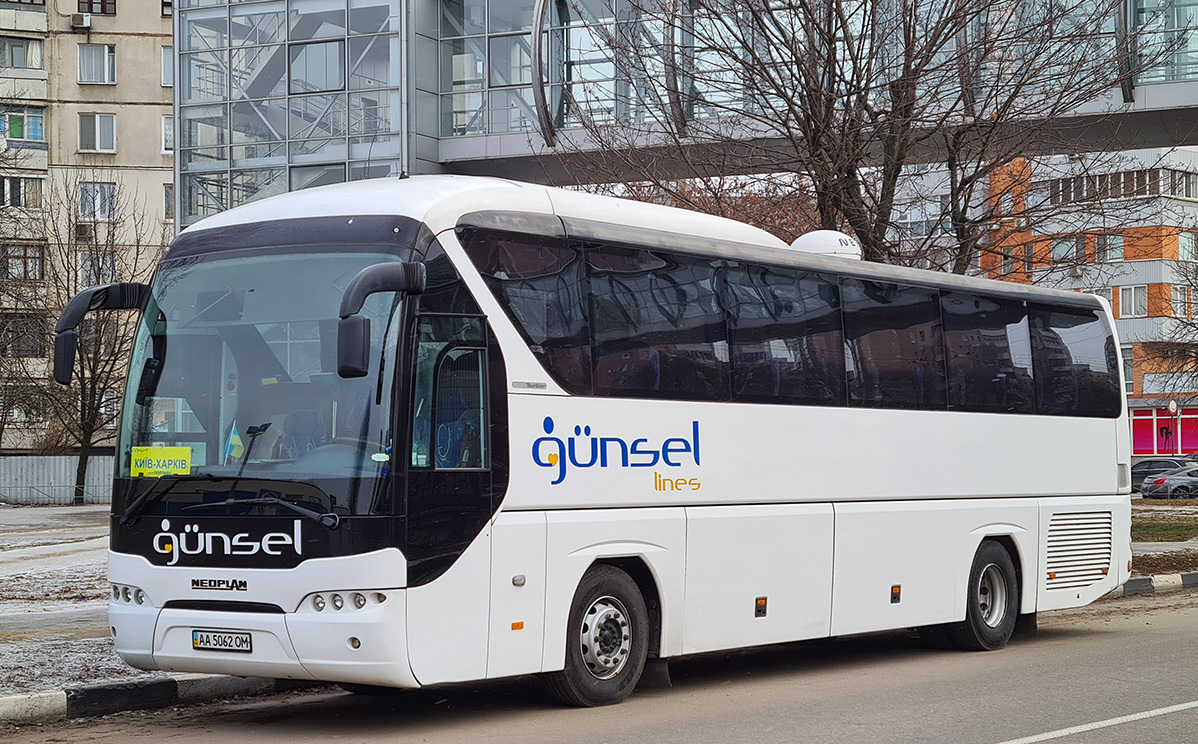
{"x": 318, "y": 603}
{"x": 338, "y": 602}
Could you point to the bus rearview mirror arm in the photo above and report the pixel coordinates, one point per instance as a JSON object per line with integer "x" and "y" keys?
{"x": 115, "y": 296}
{"x": 353, "y": 330}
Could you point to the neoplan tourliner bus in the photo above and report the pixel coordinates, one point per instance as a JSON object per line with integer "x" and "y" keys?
{"x": 439, "y": 429}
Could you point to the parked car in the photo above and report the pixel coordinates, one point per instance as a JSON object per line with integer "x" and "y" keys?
{"x": 1155, "y": 466}
{"x": 1181, "y": 483}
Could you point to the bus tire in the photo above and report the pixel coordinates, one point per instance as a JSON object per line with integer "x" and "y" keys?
{"x": 607, "y": 641}
{"x": 991, "y": 603}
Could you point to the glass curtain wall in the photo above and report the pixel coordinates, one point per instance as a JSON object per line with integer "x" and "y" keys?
{"x": 1169, "y": 25}
{"x": 602, "y": 61}
{"x": 282, "y": 95}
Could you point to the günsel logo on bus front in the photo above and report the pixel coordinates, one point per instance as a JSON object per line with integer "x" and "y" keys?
{"x": 191, "y": 541}
{"x": 606, "y": 451}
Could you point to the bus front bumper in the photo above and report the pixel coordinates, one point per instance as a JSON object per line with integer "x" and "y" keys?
{"x": 364, "y": 645}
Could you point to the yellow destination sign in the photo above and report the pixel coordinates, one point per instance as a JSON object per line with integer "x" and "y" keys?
{"x": 152, "y": 462}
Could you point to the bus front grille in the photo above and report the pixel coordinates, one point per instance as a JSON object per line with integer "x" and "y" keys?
{"x": 1079, "y": 549}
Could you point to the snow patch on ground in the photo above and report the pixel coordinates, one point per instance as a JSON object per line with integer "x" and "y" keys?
{"x": 53, "y": 630}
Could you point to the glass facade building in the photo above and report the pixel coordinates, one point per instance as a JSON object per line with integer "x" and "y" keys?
{"x": 285, "y": 94}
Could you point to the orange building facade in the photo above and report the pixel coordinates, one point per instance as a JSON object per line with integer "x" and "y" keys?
{"x": 1131, "y": 236}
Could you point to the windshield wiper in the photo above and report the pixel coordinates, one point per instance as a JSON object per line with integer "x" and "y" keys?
{"x": 152, "y": 494}
{"x": 328, "y": 519}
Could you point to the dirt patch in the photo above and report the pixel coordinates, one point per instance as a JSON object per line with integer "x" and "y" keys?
{"x": 1181, "y": 561}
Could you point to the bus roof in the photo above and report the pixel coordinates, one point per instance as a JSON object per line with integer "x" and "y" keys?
{"x": 441, "y": 201}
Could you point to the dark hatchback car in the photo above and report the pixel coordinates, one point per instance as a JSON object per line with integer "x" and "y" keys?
{"x": 1153, "y": 466}
{"x": 1181, "y": 483}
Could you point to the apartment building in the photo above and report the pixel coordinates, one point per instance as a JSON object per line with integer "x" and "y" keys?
{"x": 86, "y": 170}
{"x": 1124, "y": 226}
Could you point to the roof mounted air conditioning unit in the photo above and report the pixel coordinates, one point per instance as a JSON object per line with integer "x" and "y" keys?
{"x": 1076, "y": 271}
{"x": 81, "y": 20}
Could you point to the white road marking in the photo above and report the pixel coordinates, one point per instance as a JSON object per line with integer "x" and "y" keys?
{"x": 1103, "y": 724}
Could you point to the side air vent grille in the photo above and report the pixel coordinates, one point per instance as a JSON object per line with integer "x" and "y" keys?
{"x": 1079, "y": 549}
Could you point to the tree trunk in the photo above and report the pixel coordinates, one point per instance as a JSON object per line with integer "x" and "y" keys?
{"x": 81, "y": 470}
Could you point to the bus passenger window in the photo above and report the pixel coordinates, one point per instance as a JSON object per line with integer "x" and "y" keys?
{"x": 540, "y": 282}
{"x": 787, "y": 344}
{"x": 659, "y": 329}
{"x": 895, "y": 356}
{"x": 1076, "y": 363}
{"x": 989, "y": 355}
{"x": 448, "y": 402}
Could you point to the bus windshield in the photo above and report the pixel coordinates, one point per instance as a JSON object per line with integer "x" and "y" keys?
{"x": 233, "y": 390}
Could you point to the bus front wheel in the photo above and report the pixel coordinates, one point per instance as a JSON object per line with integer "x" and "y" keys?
{"x": 607, "y": 641}
{"x": 992, "y": 601}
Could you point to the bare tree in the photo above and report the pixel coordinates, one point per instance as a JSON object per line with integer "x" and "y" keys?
{"x": 94, "y": 231}
{"x": 864, "y": 102}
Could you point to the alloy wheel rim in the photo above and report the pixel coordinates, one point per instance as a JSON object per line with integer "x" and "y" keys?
{"x": 606, "y": 638}
{"x": 992, "y": 595}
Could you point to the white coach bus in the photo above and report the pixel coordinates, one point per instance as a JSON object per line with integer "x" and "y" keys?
{"x": 439, "y": 429}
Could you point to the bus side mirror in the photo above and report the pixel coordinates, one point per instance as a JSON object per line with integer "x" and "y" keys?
{"x": 353, "y": 346}
{"x": 353, "y": 330}
{"x": 116, "y": 296}
{"x": 65, "y": 344}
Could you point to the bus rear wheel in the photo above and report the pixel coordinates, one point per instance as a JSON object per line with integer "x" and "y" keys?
{"x": 607, "y": 641}
{"x": 992, "y": 601}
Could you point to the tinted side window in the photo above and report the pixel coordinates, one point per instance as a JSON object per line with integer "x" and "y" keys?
{"x": 785, "y": 335}
{"x": 1076, "y": 363}
{"x": 895, "y": 356}
{"x": 541, "y": 285}
{"x": 988, "y": 354}
{"x": 444, "y": 291}
{"x": 658, "y": 328}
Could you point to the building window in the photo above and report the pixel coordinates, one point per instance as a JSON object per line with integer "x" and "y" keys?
{"x": 97, "y": 132}
{"x": 1129, "y": 382}
{"x": 1008, "y": 260}
{"x": 23, "y": 335}
{"x": 97, "y": 201}
{"x": 1028, "y": 257}
{"x": 317, "y": 67}
{"x": 1187, "y": 246}
{"x": 168, "y": 66}
{"x": 168, "y": 8}
{"x": 23, "y": 262}
{"x": 23, "y": 53}
{"x": 168, "y": 133}
{"x": 97, "y": 63}
{"x": 1071, "y": 249}
{"x": 21, "y": 192}
{"x": 97, "y": 267}
{"x": 98, "y": 7}
{"x": 1133, "y": 301}
{"x": 1181, "y": 301}
{"x": 23, "y": 123}
{"x": 168, "y": 201}
{"x": 1110, "y": 247}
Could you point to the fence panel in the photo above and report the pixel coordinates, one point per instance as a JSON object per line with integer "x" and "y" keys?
{"x": 51, "y": 480}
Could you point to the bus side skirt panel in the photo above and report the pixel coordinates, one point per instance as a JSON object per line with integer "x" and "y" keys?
{"x": 924, "y": 547}
{"x": 577, "y": 539}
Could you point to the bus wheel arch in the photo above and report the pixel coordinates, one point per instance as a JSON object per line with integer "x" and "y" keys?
{"x": 639, "y": 571}
{"x": 607, "y": 639}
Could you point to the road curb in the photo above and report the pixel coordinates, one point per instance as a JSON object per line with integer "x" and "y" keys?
{"x": 1158, "y": 584}
{"x": 115, "y": 697}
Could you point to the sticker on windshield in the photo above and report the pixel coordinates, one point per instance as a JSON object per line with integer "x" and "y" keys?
{"x": 153, "y": 462}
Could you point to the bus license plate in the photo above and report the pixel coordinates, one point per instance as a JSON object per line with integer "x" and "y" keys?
{"x": 221, "y": 640}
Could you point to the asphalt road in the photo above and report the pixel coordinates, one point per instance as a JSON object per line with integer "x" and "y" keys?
{"x": 1133, "y": 657}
